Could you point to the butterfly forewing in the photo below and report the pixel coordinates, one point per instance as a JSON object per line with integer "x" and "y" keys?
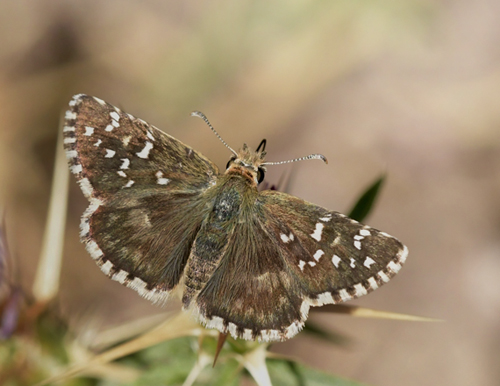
{"x": 335, "y": 258}
{"x": 141, "y": 183}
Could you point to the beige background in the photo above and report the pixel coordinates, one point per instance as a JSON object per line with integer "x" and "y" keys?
{"x": 409, "y": 88}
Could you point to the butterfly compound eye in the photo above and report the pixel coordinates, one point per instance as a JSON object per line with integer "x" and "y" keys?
{"x": 229, "y": 162}
{"x": 260, "y": 175}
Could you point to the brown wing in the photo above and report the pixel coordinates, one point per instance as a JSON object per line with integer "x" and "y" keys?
{"x": 146, "y": 195}
{"x": 290, "y": 255}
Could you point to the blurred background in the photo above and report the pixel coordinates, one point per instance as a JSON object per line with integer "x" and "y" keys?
{"x": 411, "y": 89}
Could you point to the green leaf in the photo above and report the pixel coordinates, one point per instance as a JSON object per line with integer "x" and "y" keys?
{"x": 170, "y": 363}
{"x": 365, "y": 203}
{"x": 283, "y": 375}
{"x": 51, "y": 333}
{"x": 294, "y": 369}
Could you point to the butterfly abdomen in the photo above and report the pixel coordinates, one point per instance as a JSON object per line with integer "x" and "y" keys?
{"x": 213, "y": 237}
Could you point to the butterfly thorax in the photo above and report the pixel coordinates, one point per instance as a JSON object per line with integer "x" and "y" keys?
{"x": 247, "y": 163}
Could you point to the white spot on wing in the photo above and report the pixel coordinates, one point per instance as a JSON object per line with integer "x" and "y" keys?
{"x": 86, "y": 187}
{"x": 284, "y": 238}
{"x": 122, "y": 174}
{"x": 247, "y": 334}
{"x": 364, "y": 232}
{"x": 84, "y": 224}
{"x": 318, "y": 254}
{"x": 353, "y": 263}
{"x": 115, "y": 123}
{"x": 120, "y": 277}
{"x": 327, "y": 218}
{"x": 383, "y": 276}
{"x": 70, "y": 115}
{"x": 360, "y": 290}
{"x": 125, "y": 164}
{"x": 294, "y": 328}
{"x": 109, "y": 128}
{"x": 69, "y": 140}
{"x": 302, "y": 264}
{"x": 110, "y": 153}
{"x": 373, "y": 283}
{"x": 344, "y": 295}
{"x": 126, "y": 140}
{"x": 89, "y": 131}
{"x": 336, "y": 260}
{"x": 144, "y": 153}
{"x": 106, "y": 267}
{"x": 304, "y": 309}
{"x": 139, "y": 285}
{"x": 129, "y": 184}
{"x": 368, "y": 261}
{"x": 232, "y": 329}
{"x": 93, "y": 249}
{"x": 317, "y": 232}
{"x": 403, "y": 254}
{"x": 216, "y": 322}
{"x": 324, "y": 298}
{"x": 99, "y": 141}
{"x": 311, "y": 263}
{"x": 75, "y": 169}
{"x": 100, "y": 101}
{"x": 71, "y": 154}
{"x": 357, "y": 244}
{"x": 150, "y": 136}
{"x": 160, "y": 180}
{"x": 394, "y": 267}
{"x": 114, "y": 115}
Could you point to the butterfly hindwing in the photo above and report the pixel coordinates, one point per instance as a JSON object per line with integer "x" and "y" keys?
{"x": 141, "y": 183}
{"x": 252, "y": 294}
{"x": 288, "y": 256}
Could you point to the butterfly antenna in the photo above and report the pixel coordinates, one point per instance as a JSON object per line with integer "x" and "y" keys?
{"x": 310, "y": 156}
{"x": 202, "y": 116}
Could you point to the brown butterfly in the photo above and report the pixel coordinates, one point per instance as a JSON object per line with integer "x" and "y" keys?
{"x": 246, "y": 262}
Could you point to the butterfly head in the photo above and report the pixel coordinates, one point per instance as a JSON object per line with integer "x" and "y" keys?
{"x": 248, "y": 163}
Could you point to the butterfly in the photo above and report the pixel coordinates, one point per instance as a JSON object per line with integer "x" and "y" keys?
{"x": 162, "y": 219}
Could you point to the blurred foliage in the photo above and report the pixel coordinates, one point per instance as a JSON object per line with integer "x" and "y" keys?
{"x": 365, "y": 203}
